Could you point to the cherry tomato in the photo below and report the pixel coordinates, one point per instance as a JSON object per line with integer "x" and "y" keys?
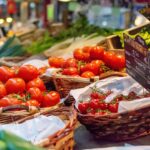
{"x": 35, "y": 93}
{"x": 72, "y": 71}
{"x": 6, "y": 101}
{"x": 70, "y": 62}
{"x": 87, "y": 74}
{"x": 94, "y": 95}
{"x": 51, "y": 99}
{"x": 103, "y": 106}
{"x": 87, "y": 49}
{"x": 36, "y": 83}
{"x": 113, "y": 107}
{"x": 6, "y": 73}
{"x": 15, "y": 85}
{"x": 28, "y": 72}
{"x": 97, "y": 52}
{"x": 56, "y": 62}
{"x": 2, "y": 91}
{"x": 94, "y": 103}
{"x": 83, "y": 107}
{"x": 32, "y": 102}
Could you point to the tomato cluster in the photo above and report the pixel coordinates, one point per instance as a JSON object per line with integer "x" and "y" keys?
{"x": 89, "y": 62}
{"x": 22, "y": 85}
{"x": 97, "y": 106}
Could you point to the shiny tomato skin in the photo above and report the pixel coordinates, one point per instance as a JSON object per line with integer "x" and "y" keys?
{"x": 56, "y": 62}
{"x": 70, "y": 62}
{"x": 98, "y": 62}
{"x": 87, "y": 74}
{"x": 103, "y": 106}
{"x": 51, "y": 99}
{"x": 36, "y": 83}
{"x": 97, "y": 52}
{"x": 15, "y": 85}
{"x": 6, "y": 73}
{"x": 32, "y": 102}
{"x": 113, "y": 107}
{"x": 72, "y": 71}
{"x": 83, "y": 107}
{"x": 108, "y": 56}
{"x": 7, "y": 101}
{"x": 3, "y": 91}
{"x": 36, "y": 94}
{"x": 87, "y": 49}
{"x": 28, "y": 72}
{"x": 94, "y": 103}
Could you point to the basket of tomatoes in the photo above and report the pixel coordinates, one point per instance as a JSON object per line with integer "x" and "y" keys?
{"x": 117, "y": 109}
{"x": 23, "y": 93}
{"x": 88, "y": 64}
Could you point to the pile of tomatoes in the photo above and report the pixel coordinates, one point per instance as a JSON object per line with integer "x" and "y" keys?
{"x": 89, "y": 62}
{"x": 22, "y": 86}
{"x": 97, "y": 106}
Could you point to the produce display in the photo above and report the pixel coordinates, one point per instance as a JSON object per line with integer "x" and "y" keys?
{"x": 89, "y": 61}
{"x": 22, "y": 86}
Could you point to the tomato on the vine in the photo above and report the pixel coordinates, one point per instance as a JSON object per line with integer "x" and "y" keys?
{"x": 2, "y": 90}
{"x": 15, "y": 85}
{"x": 28, "y": 72}
{"x": 72, "y": 71}
{"x": 87, "y": 74}
{"x": 56, "y": 62}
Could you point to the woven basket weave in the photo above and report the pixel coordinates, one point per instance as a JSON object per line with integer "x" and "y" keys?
{"x": 118, "y": 127}
{"x": 63, "y": 139}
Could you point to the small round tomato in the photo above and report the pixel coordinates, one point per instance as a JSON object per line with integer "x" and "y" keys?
{"x": 6, "y": 73}
{"x": 35, "y": 93}
{"x": 87, "y": 74}
{"x": 70, "y": 62}
{"x": 113, "y": 107}
{"x": 97, "y": 52}
{"x": 56, "y": 62}
{"x": 7, "y": 101}
{"x": 103, "y": 106}
{"x": 15, "y": 85}
{"x": 32, "y": 102}
{"x": 83, "y": 107}
{"x": 72, "y": 71}
{"x": 98, "y": 62}
{"x": 51, "y": 99}
{"x": 2, "y": 91}
{"x": 36, "y": 83}
{"x": 28, "y": 72}
{"x": 94, "y": 103}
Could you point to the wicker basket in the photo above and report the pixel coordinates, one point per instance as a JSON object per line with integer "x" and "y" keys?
{"x": 64, "y": 84}
{"x": 118, "y": 127}
{"x": 13, "y": 113}
{"x": 63, "y": 139}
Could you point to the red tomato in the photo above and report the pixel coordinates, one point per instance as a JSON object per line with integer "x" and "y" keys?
{"x": 103, "y": 106}
{"x": 15, "y": 85}
{"x": 2, "y": 91}
{"x": 91, "y": 67}
{"x": 94, "y": 95}
{"x": 98, "y": 62}
{"x": 35, "y": 93}
{"x": 32, "y": 102}
{"x": 87, "y": 49}
{"x": 51, "y": 99}
{"x": 108, "y": 57}
{"x": 113, "y": 107}
{"x": 83, "y": 107}
{"x": 97, "y": 52}
{"x": 15, "y": 70}
{"x": 6, "y": 101}
{"x": 28, "y": 72}
{"x": 72, "y": 71}
{"x": 94, "y": 103}
{"x": 87, "y": 74}
{"x": 36, "y": 83}
{"x": 79, "y": 54}
{"x": 6, "y": 73}
{"x": 70, "y": 62}
{"x": 42, "y": 70}
{"x": 56, "y": 62}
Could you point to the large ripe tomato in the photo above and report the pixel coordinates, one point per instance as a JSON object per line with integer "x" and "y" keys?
{"x": 87, "y": 49}
{"x": 97, "y": 52}
{"x": 108, "y": 56}
{"x": 36, "y": 83}
{"x": 51, "y": 99}
{"x": 72, "y": 71}
{"x": 98, "y": 62}
{"x": 87, "y": 74}
{"x": 81, "y": 54}
{"x": 94, "y": 103}
{"x": 32, "y": 102}
{"x": 7, "y": 101}
{"x": 91, "y": 67}
{"x": 35, "y": 93}
{"x": 15, "y": 85}
{"x": 2, "y": 91}
{"x": 6, "y": 73}
{"x": 28, "y": 72}
{"x": 70, "y": 62}
{"x": 56, "y": 62}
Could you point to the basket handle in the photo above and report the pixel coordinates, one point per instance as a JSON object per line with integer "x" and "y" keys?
{"x": 31, "y": 109}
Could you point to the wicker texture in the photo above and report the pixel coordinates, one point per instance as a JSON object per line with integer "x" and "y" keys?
{"x": 63, "y": 139}
{"x": 118, "y": 127}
